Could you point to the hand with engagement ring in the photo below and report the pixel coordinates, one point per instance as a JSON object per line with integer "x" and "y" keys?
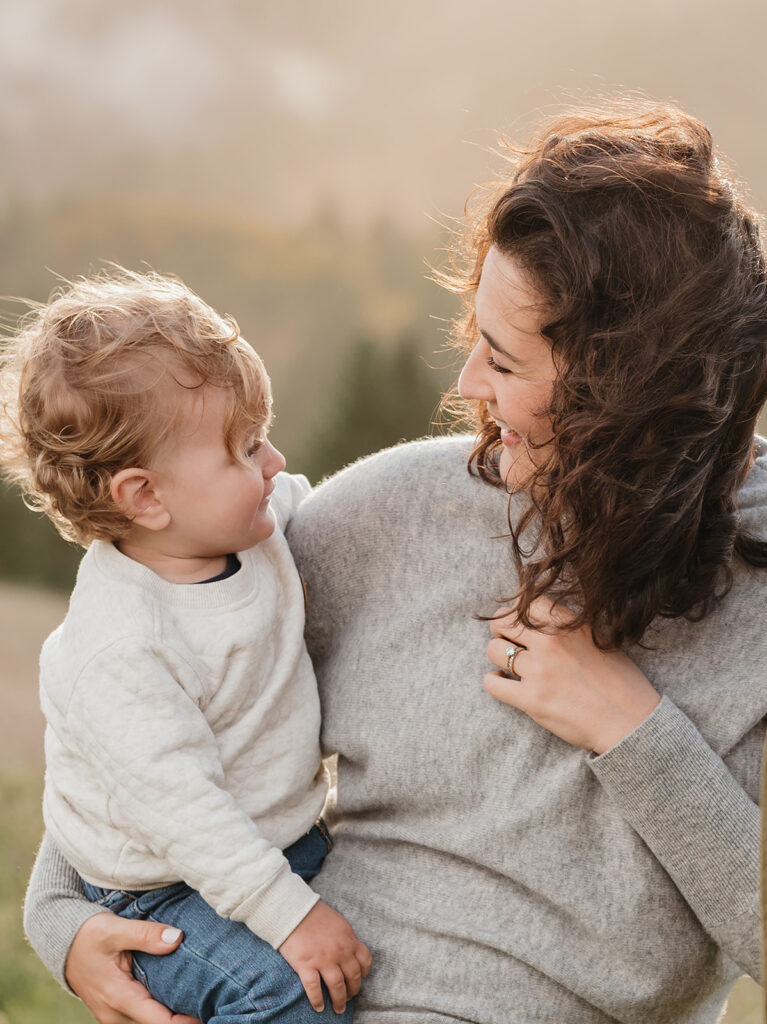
{"x": 511, "y": 652}
{"x": 563, "y": 681}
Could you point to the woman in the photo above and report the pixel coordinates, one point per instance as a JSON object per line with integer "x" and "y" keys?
{"x": 583, "y": 847}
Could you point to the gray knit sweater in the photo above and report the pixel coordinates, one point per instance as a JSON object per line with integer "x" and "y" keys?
{"x": 499, "y": 875}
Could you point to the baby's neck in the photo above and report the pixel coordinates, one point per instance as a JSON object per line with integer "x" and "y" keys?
{"x": 174, "y": 568}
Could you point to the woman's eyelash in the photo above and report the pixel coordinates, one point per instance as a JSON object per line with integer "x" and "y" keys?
{"x": 494, "y": 366}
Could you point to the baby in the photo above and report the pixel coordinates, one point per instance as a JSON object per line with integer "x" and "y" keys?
{"x": 184, "y": 779}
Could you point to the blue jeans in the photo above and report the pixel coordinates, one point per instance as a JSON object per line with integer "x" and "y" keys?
{"x": 222, "y": 972}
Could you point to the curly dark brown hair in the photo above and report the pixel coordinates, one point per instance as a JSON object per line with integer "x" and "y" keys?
{"x": 650, "y": 262}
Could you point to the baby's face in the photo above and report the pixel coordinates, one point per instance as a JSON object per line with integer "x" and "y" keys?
{"x": 218, "y": 505}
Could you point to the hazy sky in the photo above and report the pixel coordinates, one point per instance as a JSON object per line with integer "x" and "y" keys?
{"x": 373, "y": 106}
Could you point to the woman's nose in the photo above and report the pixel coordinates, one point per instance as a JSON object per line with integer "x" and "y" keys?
{"x": 473, "y": 382}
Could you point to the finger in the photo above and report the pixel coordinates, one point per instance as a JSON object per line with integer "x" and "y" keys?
{"x": 146, "y": 936}
{"x": 336, "y": 986}
{"x": 353, "y": 974}
{"x": 499, "y": 652}
{"x": 107, "y": 1016}
{"x": 523, "y": 636}
{"x": 313, "y": 988}
{"x": 364, "y": 959}
{"x": 548, "y": 613}
{"x": 510, "y": 630}
{"x": 508, "y": 691}
{"x": 503, "y": 618}
{"x": 132, "y": 1001}
{"x": 550, "y": 616}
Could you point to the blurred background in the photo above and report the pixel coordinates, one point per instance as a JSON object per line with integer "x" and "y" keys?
{"x": 297, "y": 165}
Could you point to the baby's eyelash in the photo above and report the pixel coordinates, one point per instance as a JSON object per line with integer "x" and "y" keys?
{"x": 494, "y": 366}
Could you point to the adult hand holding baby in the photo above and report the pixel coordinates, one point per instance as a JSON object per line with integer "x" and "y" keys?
{"x": 110, "y": 992}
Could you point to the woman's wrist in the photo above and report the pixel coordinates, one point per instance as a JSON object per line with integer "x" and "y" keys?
{"x": 611, "y": 733}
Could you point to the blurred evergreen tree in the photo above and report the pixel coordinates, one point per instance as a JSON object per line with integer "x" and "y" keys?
{"x": 32, "y": 551}
{"x": 382, "y": 396}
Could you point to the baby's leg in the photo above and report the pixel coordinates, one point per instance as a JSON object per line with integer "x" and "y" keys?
{"x": 221, "y": 972}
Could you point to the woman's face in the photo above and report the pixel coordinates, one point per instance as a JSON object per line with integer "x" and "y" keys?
{"x": 510, "y": 368}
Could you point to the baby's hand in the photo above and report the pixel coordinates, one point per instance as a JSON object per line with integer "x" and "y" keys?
{"x": 323, "y": 947}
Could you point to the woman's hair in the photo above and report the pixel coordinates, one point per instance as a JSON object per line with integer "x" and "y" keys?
{"x": 93, "y": 382}
{"x": 652, "y": 273}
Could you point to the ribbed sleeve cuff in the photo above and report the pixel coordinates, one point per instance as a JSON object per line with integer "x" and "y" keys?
{"x": 274, "y": 911}
{"x": 677, "y": 793}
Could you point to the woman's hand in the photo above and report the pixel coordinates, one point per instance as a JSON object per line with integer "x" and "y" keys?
{"x": 587, "y": 697}
{"x": 98, "y": 969}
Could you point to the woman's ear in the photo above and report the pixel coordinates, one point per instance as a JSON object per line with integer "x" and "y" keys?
{"x": 136, "y": 494}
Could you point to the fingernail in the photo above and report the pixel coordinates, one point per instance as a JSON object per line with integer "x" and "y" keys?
{"x": 170, "y": 935}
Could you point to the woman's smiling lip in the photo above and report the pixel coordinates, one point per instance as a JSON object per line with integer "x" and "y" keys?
{"x": 509, "y": 436}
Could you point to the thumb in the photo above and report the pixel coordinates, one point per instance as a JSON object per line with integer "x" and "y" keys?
{"x": 145, "y": 936}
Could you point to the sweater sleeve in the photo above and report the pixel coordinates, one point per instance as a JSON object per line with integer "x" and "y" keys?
{"x": 55, "y": 908}
{"x": 156, "y": 755}
{"x": 698, "y": 820}
{"x": 289, "y": 491}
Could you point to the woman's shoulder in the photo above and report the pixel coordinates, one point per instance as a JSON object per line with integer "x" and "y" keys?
{"x": 384, "y": 494}
{"x": 429, "y": 455}
{"x": 400, "y": 473}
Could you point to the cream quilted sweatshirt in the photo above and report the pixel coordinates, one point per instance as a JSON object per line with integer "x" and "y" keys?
{"x": 183, "y": 730}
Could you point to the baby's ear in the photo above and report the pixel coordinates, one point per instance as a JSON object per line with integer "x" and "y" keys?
{"x": 136, "y": 494}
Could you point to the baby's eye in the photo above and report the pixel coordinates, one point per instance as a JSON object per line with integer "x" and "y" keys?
{"x": 495, "y": 366}
{"x": 253, "y": 448}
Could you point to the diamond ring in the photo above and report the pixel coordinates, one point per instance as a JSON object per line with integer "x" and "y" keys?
{"x": 511, "y": 652}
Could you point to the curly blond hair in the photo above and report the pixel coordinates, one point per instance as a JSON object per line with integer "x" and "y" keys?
{"x": 87, "y": 388}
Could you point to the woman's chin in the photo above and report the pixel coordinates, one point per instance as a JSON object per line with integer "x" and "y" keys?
{"x": 515, "y": 467}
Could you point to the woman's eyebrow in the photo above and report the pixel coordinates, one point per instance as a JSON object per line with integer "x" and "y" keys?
{"x": 499, "y": 349}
